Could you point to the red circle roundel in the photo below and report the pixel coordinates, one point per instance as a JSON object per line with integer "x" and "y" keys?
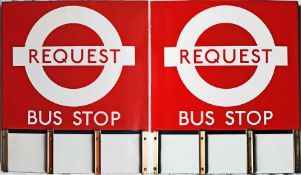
{"x": 254, "y": 45}
{"x": 108, "y": 58}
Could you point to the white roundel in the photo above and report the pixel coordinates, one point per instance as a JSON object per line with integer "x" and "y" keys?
{"x": 84, "y": 95}
{"x": 215, "y": 95}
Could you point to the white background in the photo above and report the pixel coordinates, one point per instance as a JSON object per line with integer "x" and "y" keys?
{"x": 179, "y": 153}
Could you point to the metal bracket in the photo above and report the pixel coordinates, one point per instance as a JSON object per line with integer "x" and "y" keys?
{"x": 250, "y": 151}
{"x": 156, "y": 153}
{"x": 144, "y": 167}
{"x": 5, "y": 150}
{"x": 297, "y": 167}
{"x": 50, "y": 138}
{"x": 202, "y": 152}
{"x": 97, "y": 152}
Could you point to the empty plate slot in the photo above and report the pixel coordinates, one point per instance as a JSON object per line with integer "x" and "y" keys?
{"x": 179, "y": 153}
{"x": 27, "y": 152}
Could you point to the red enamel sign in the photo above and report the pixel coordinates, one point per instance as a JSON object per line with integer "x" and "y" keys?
{"x": 225, "y": 65}
{"x": 75, "y": 65}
